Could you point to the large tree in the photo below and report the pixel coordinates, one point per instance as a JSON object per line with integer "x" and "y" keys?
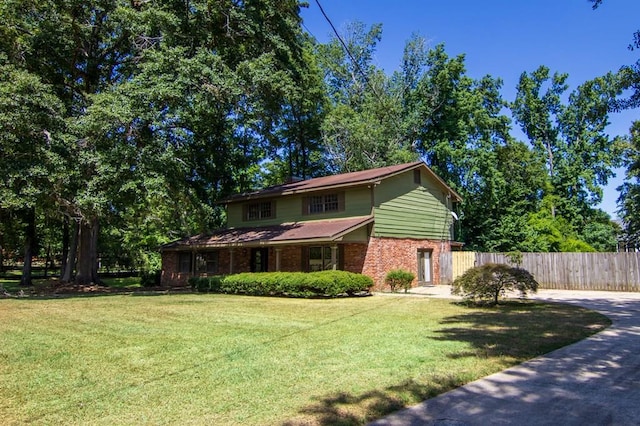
{"x": 362, "y": 127}
{"x": 32, "y": 149}
{"x": 629, "y": 201}
{"x": 570, "y": 136}
{"x": 168, "y": 108}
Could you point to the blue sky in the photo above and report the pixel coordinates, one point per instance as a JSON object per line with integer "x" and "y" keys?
{"x": 503, "y": 38}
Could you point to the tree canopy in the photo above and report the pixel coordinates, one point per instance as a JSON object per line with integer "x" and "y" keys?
{"x": 122, "y": 124}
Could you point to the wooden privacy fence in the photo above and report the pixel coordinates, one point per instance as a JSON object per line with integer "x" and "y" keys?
{"x": 563, "y": 271}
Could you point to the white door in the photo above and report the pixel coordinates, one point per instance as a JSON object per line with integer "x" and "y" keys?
{"x": 424, "y": 266}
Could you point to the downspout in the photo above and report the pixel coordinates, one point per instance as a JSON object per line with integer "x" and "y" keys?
{"x": 445, "y": 225}
{"x": 373, "y": 186}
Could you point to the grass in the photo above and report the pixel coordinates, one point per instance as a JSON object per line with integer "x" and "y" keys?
{"x": 216, "y": 359}
{"x": 122, "y": 282}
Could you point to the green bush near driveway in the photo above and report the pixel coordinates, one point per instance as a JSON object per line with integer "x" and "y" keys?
{"x": 490, "y": 282}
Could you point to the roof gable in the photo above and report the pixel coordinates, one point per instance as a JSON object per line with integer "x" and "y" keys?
{"x": 342, "y": 180}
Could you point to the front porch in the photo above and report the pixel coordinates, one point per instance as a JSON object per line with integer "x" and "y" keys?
{"x": 290, "y": 247}
{"x": 180, "y": 265}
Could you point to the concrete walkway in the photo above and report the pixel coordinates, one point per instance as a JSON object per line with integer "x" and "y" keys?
{"x": 593, "y": 382}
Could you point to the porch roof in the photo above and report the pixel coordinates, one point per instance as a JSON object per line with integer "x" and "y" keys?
{"x": 319, "y": 231}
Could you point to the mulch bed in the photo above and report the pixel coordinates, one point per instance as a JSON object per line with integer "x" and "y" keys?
{"x": 57, "y": 288}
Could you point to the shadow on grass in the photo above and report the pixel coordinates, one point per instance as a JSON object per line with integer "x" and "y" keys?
{"x": 600, "y": 372}
{"x": 520, "y": 329}
{"x": 346, "y": 409}
{"x": 512, "y": 331}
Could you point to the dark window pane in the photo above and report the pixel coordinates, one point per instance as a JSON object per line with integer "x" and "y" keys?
{"x": 331, "y": 202}
{"x": 184, "y": 262}
{"x": 257, "y": 211}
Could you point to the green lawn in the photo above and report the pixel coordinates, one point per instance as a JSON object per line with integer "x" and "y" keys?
{"x": 215, "y": 359}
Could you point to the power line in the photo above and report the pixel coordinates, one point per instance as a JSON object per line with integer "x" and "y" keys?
{"x": 355, "y": 63}
{"x": 346, "y": 49}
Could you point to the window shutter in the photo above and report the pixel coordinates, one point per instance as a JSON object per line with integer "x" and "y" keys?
{"x": 245, "y": 209}
{"x": 273, "y": 209}
{"x": 305, "y": 206}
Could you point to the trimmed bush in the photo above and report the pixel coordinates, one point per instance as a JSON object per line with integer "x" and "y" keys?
{"x": 290, "y": 284}
{"x": 206, "y": 284}
{"x": 487, "y": 283}
{"x": 399, "y": 278}
{"x": 150, "y": 278}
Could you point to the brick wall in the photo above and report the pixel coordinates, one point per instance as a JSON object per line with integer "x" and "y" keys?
{"x": 290, "y": 259}
{"x": 354, "y": 256}
{"x": 385, "y": 254}
{"x": 170, "y": 275}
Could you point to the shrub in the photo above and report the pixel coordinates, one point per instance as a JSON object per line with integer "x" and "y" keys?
{"x": 399, "y": 278}
{"x": 291, "y": 284}
{"x": 487, "y": 283}
{"x": 206, "y": 284}
{"x": 150, "y": 278}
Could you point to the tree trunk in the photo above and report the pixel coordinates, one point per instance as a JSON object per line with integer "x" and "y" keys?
{"x": 70, "y": 261}
{"x": 65, "y": 245}
{"x": 29, "y": 241}
{"x": 47, "y": 261}
{"x": 1, "y": 254}
{"x": 94, "y": 252}
{"x": 2, "y": 218}
{"x": 87, "y": 253}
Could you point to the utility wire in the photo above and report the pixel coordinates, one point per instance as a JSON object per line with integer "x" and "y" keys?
{"x": 346, "y": 49}
{"x": 364, "y": 76}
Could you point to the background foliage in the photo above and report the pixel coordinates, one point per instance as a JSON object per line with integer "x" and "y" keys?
{"x": 123, "y": 123}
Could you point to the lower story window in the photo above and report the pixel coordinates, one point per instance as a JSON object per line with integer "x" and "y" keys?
{"x": 207, "y": 262}
{"x": 321, "y": 258}
{"x": 184, "y": 262}
{"x": 259, "y": 259}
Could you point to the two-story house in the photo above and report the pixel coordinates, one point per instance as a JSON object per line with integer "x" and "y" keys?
{"x": 368, "y": 222}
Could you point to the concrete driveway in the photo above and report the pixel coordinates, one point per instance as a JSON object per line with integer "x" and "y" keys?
{"x": 593, "y": 382}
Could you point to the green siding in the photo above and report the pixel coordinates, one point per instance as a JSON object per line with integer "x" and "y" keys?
{"x": 404, "y": 209}
{"x": 357, "y": 202}
{"x": 360, "y": 235}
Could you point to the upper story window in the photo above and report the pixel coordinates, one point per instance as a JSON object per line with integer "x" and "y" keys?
{"x": 259, "y": 210}
{"x": 325, "y": 203}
